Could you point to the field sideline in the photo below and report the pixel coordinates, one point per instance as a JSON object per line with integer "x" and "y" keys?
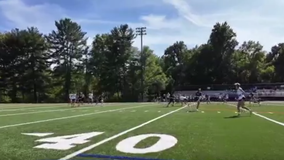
{"x": 140, "y": 131}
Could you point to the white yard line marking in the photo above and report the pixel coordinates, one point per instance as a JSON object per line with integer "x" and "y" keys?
{"x": 44, "y": 111}
{"x": 146, "y": 111}
{"x": 261, "y": 116}
{"x": 218, "y": 112}
{"x": 68, "y": 117}
{"x": 72, "y": 155}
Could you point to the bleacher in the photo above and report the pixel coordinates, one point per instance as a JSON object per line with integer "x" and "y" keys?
{"x": 264, "y": 91}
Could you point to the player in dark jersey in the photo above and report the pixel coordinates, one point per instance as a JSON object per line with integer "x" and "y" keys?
{"x": 80, "y": 99}
{"x": 254, "y": 98}
{"x": 207, "y": 98}
{"x": 171, "y": 100}
{"x": 251, "y": 95}
{"x": 198, "y": 96}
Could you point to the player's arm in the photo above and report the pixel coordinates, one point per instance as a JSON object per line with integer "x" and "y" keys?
{"x": 242, "y": 90}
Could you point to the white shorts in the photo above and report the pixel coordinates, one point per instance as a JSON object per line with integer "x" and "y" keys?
{"x": 241, "y": 98}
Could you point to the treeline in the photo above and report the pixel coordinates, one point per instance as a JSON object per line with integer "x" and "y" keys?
{"x": 45, "y": 68}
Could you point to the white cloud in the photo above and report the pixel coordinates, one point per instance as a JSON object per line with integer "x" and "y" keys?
{"x": 258, "y": 23}
{"x": 187, "y": 20}
{"x": 22, "y": 15}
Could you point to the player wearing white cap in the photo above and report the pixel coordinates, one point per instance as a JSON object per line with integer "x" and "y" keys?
{"x": 241, "y": 99}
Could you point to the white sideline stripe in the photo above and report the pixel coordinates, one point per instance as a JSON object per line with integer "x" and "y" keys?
{"x": 72, "y": 155}
{"x": 27, "y": 108}
{"x": 261, "y": 116}
{"x": 45, "y": 111}
{"x": 56, "y": 105}
{"x": 68, "y": 117}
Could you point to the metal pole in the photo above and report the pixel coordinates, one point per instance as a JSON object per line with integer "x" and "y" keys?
{"x": 142, "y": 31}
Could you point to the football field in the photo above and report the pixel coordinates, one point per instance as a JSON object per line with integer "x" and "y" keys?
{"x": 141, "y": 131}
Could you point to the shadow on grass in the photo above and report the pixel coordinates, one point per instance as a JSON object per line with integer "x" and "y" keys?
{"x": 235, "y": 116}
{"x": 191, "y": 111}
{"x": 172, "y": 106}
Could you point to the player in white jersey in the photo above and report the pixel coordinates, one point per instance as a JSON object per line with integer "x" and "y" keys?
{"x": 168, "y": 97}
{"x": 225, "y": 99}
{"x": 72, "y": 99}
{"x": 91, "y": 98}
{"x": 183, "y": 99}
{"x": 241, "y": 99}
{"x": 220, "y": 97}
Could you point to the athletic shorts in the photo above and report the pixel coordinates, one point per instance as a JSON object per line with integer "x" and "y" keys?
{"x": 81, "y": 99}
{"x": 241, "y": 98}
{"x": 73, "y": 100}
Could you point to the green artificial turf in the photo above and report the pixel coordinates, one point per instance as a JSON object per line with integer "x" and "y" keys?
{"x": 213, "y": 133}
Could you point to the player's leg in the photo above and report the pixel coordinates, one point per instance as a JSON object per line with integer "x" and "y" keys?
{"x": 239, "y": 107}
{"x": 198, "y": 103}
{"x": 78, "y": 101}
{"x": 69, "y": 102}
{"x": 73, "y": 101}
{"x": 102, "y": 101}
{"x": 170, "y": 102}
{"x": 185, "y": 101}
{"x": 258, "y": 101}
{"x": 242, "y": 105}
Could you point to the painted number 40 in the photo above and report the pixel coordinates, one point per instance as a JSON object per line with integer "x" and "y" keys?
{"x": 127, "y": 145}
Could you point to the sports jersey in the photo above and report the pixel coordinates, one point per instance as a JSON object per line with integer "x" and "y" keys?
{"x": 198, "y": 94}
{"x": 183, "y": 98}
{"x": 240, "y": 93}
{"x": 72, "y": 96}
{"x": 226, "y": 96}
{"x": 91, "y": 96}
{"x": 168, "y": 95}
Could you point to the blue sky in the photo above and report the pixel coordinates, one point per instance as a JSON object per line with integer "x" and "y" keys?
{"x": 167, "y": 21}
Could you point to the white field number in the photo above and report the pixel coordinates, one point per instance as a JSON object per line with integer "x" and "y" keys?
{"x": 126, "y": 146}
{"x": 66, "y": 142}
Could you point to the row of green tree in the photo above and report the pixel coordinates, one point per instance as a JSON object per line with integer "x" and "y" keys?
{"x": 46, "y": 68}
